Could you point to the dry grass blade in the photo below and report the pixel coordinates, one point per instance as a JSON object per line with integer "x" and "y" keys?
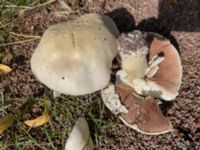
{"x": 25, "y": 36}
{"x": 6, "y": 122}
{"x": 36, "y": 6}
{"x": 28, "y": 38}
{"x": 18, "y": 42}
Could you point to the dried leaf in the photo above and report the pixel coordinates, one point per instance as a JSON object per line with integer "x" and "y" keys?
{"x": 6, "y": 122}
{"x": 4, "y": 69}
{"x": 44, "y": 118}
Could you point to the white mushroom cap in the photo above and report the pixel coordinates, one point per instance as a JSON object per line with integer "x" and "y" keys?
{"x": 79, "y": 138}
{"x": 157, "y": 72}
{"x": 75, "y": 57}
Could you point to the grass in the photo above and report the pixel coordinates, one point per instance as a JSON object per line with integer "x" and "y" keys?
{"x": 64, "y": 110}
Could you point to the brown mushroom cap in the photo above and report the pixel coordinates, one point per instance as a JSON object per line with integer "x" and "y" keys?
{"x": 144, "y": 115}
{"x": 169, "y": 75}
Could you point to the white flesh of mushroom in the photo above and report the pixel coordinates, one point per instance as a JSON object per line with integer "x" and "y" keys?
{"x": 138, "y": 60}
{"x": 112, "y": 101}
{"x": 140, "y": 86}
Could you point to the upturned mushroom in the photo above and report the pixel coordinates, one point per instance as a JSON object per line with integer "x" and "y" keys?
{"x": 75, "y": 57}
{"x": 151, "y": 65}
{"x": 141, "y": 114}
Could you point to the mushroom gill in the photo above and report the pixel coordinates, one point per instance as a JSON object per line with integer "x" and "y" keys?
{"x": 141, "y": 114}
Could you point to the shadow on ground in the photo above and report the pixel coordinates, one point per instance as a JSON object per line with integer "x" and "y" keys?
{"x": 126, "y": 23}
{"x": 182, "y": 16}
{"x": 123, "y": 19}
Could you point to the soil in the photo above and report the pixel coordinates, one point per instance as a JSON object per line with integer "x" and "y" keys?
{"x": 179, "y": 22}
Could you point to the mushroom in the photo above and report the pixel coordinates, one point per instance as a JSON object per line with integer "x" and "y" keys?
{"x": 141, "y": 114}
{"x": 79, "y": 138}
{"x": 75, "y": 57}
{"x": 151, "y": 65}
{"x": 150, "y": 68}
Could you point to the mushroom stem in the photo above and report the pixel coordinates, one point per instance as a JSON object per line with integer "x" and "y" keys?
{"x": 138, "y": 85}
{"x": 56, "y": 94}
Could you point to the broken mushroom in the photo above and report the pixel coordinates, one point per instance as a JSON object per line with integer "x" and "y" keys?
{"x": 75, "y": 57}
{"x": 141, "y": 114}
{"x": 151, "y": 65}
{"x": 169, "y": 74}
{"x": 79, "y": 138}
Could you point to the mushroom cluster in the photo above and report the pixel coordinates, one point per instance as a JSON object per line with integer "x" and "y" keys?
{"x": 150, "y": 70}
{"x": 75, "y": 58}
